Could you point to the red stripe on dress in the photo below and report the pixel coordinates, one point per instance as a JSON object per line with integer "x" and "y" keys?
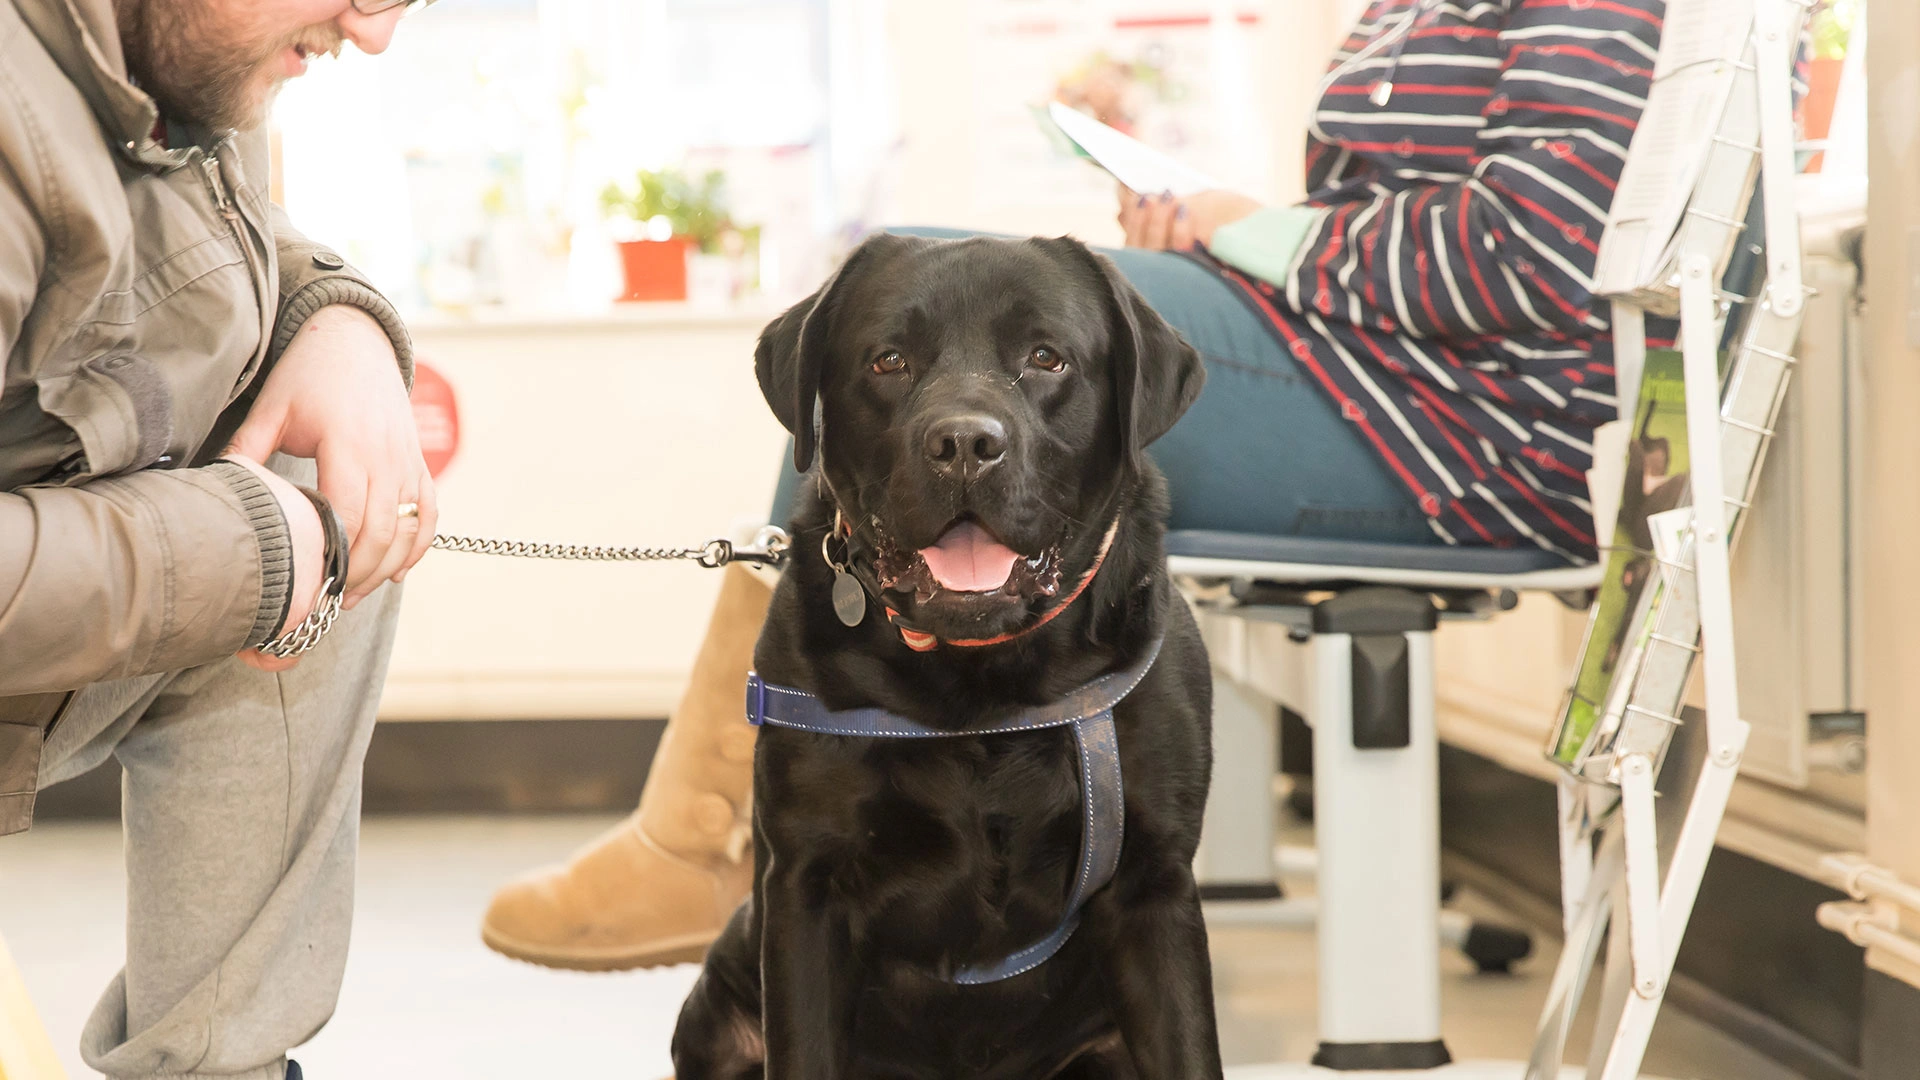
{"x": 1461, "y": 32}
{"x": 1369, "y": 253}
{"x": 1568, "y": 110}
{"x": 1460, "y": 511}
{"x": 1492, "y": 387}
{"x": 1584, "y": 166}
{"x": 1556, "y": 337}
{"x": 1473, "y": 265}
{"x": 1550, "y": 51}
{"x": 1527, "y": 493}
{"x": 1438, "y": 402}
{"x": 1409, "y": 148}
{"x": 1420, "y": 256}
{"x": 1552, "y": 463}
{"x": 1435, "y": 89}
{"x": 1335, "y": 241}
{"x": 1447, "y": 354}
{"x": 1431, "y": 401}
{"x": 1559, "y": 301}
{"x": 1556, "y": 220}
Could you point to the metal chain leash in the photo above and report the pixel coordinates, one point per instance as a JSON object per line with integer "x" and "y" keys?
{"x": 299, "y": 639}
{"x": 769, "y": 550}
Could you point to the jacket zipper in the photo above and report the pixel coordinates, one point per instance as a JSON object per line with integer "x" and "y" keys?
{"x": 223, "y": 202}
{"x": 210, "y": 164}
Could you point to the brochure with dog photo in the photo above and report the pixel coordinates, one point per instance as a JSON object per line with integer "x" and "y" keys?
{"x": 1630, "y": 594}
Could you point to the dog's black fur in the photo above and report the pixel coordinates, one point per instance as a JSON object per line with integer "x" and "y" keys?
{"x": 887, "y": 864}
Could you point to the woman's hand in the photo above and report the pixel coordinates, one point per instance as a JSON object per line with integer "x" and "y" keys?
{"x": 1164, "y": 223}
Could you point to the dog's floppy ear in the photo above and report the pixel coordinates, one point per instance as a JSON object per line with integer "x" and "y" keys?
{"x": 1156, "y": 374}
{"x": 793, "y": 349}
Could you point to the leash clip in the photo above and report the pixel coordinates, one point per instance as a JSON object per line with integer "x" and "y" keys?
{"x": 769, "y": 548}
{"x": 716, "y": 554}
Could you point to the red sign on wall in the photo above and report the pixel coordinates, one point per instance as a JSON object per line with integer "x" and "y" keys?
{"x": 436, "y": 416}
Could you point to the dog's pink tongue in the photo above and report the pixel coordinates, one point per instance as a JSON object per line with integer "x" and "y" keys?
{"x": 969, "y": 559}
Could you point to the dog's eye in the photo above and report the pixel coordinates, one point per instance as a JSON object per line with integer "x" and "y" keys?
{"x": 1047, "y": 360}
{"x": 889, "y": 362}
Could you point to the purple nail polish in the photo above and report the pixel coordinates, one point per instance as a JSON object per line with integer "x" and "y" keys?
{"x": 1181, "y": 213}
{"x": 1141, "y": 205}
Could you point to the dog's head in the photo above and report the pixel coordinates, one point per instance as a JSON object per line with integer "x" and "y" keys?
{"x": 981, "y": 405}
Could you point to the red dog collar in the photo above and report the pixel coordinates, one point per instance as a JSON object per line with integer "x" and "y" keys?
{"x": 921, "y": 641}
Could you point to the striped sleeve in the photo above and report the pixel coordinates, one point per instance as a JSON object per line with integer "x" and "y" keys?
{"x": 1511, "y": 246}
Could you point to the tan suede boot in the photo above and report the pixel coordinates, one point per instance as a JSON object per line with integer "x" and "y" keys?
{"x": 658, "y": 887}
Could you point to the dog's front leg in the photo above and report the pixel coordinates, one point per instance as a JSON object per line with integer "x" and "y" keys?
{"x": 803, "y": 979}
{"x": 1153, "y": 945}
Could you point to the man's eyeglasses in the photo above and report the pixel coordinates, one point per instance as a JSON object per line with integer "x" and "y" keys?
{"x": 375, "y": 7}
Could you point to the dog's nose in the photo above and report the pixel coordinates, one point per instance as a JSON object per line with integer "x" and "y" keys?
{"x": 965, "y": 445}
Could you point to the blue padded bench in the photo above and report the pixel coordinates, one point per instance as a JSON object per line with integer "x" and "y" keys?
{"x": 1205, "y": 553}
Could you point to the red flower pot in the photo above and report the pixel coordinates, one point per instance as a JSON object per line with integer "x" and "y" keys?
{"x": 1823, "y": 89}
{"x": 655, "y": 269}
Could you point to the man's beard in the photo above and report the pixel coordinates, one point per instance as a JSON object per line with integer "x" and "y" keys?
{"x": 203, "y": 66}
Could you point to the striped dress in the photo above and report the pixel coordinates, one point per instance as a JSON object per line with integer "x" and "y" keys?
{"x": 1465, "y": 155}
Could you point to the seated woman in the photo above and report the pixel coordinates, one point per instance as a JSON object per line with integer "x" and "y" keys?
{"x": 1412, "y": 355}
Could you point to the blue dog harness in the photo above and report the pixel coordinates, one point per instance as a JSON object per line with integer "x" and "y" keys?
{"x": 1088, "y": 711}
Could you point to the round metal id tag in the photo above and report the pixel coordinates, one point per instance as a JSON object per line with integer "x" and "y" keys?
{"x": 849, "y": 599}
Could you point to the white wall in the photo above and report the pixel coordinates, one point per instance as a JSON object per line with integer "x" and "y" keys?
{"x": 643, "y": 428}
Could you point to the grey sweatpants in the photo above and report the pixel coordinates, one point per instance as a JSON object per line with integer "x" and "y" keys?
{"x": 241, "y": 803}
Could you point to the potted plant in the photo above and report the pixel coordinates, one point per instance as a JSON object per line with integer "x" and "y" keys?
{"x": 671, "y": 216}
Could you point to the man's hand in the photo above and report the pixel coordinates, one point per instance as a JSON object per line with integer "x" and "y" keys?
{"x": 336, "y": 396}
{"x": 1163, "y": 223}
{"x": 309, "y": 540}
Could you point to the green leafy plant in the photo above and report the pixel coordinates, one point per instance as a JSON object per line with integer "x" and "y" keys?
{"x": 696, "y": 210}
{"x": 1832, "y": 26}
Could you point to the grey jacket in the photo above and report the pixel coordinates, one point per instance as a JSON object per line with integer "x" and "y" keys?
{"x": 145, "y": 290}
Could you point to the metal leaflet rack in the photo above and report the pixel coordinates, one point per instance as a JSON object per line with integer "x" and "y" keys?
{"x": 1615, "y": 837}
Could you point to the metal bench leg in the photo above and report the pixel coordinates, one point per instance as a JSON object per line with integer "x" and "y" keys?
{"x": 1377, "y": 824}
{"x": 1235, "y": 860}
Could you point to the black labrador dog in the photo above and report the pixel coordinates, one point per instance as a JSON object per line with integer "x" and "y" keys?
{"x": 983, "y": 407}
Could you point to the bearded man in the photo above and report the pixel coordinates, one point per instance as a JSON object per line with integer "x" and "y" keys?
{"x": 167, "y": 593}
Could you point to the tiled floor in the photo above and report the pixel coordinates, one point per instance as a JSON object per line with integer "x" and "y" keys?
{"x": 423, "y": 997}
